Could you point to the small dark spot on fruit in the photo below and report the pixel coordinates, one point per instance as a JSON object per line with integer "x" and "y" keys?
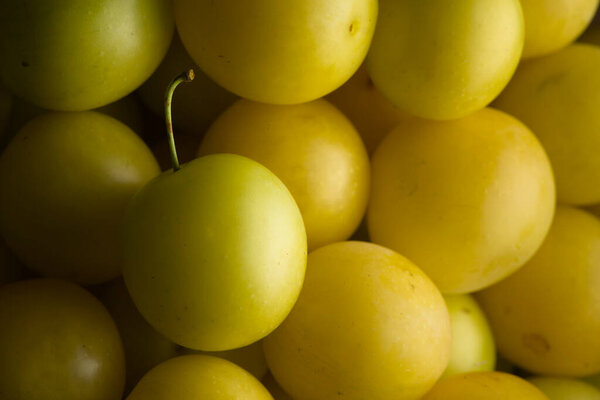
{"x": 466, "y": 310}
{"x": 536, "y": 343}
{"x": 351, "y": 28}
{"x": 25, "y": 63}
{"x": 221, "y": 56}
{"x": 339, "y": 393}
{"x": 370, "y": 82}
{"x": 412, "y": 287}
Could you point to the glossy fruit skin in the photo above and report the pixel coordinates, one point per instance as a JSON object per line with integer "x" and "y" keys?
{"x": 371, "y": 113}
{"x": 144, "y": 347}
{"x": 444, "y": 60}
{"x": 199, "y": 377}
{"x": 558, "y": 97}
{"x": 225, "y": 227}
{"x": 277, "y": 52}
{"x": 473, "y": 347}
{"x": 553, "y": 24}
{"x": 196, "y": 104}
{"x": 72, "y": 56}
{"x": 313, "y": 149}
{"x": 565, "y": 389}
{"x": 57, "y": 342}
{"x": 484, "y": 386}
{"x": 368, "y": 324}
{"x": 469, "y": 201}
{"x": 536, "y": 313}
{"x": 67, "y": 179}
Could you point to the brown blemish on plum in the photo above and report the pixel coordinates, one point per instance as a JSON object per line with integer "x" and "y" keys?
{"x": 537, "y": 343}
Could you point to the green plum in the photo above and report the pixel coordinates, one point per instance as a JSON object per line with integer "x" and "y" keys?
{"x": 214, "y": 253}
{"x": 78, "y": 55}
{"x": 57, "y": 342}
{"x": 199, "y": 103}
{"x": 144, "y": 347}
{"x": 273, "y": 51}
{"x": 441, "y": 59}
{"x": 199, "y": 377}
{"x": 473, "y": 347}
{"x": 67, "y": 178}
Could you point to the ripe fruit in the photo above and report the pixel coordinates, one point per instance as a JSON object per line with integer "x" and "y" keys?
{"x": 66, "y": 181}
{"x": 313, "y": 149}
{"x": 468, "y": 200}
{"x": 473, "y": 347}
{"x": 57, "y": 342}
{"x": 73, "y": 56}
{"x": 368, "y": 324}
{"x": 443, "y": 59}
{"x": 558, "y": 97}
{"x": 552, "y": 24}
{"x": 546, "y": 316}
{"x": 277, "y": 52}
{"x": 565, "y": 389}
{"x": 199, "y": 377}
{"x": 484, "y": 386}
{"x": 214, "y": 254}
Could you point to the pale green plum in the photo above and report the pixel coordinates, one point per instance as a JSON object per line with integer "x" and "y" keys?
{"x": 273, "y": 51}
{"x": 144, "y": 347}
{"x": 57, "y": 342}
{"x": 565, "y": 389}
{"x": 198, "y": 102}
{"x": 214, "y": 254}
{"x": 199, "y": 377}
{"x": 66, "y": 180}
{"x": 473, "y": 347}
{"x": 78, "y": 55}
{"x": 553, "y": 24}
{"x": 443, "y": 59}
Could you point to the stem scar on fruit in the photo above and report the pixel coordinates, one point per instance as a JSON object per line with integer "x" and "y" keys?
{"x": 186, "y": 76}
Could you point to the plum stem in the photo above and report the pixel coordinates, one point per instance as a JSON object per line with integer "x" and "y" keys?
{"x": 186, "y": 76}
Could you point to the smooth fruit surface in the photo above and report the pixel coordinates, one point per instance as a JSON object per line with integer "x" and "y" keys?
{"x": 552, "y": 24}
{"x": 558, "y": 98}
{"x": 546, "y": 317}
{"x": 469, "y": 201}
{"x": 66, "y": 181}
{"x": 73, "y": 56}
{"x": 484, "y": 386}
{"x": 473, "y": 347}
{"x": 277, "y": 52}
{"x": 57, "y": 342}
{"x": 214, "y": 254}
{"x": 565, "y": 389}
{"x": 368, "y": 324}
{"x": 445, "y": 59}
{"x": 199, "y": 377}
{"x": 313, "y": 149}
